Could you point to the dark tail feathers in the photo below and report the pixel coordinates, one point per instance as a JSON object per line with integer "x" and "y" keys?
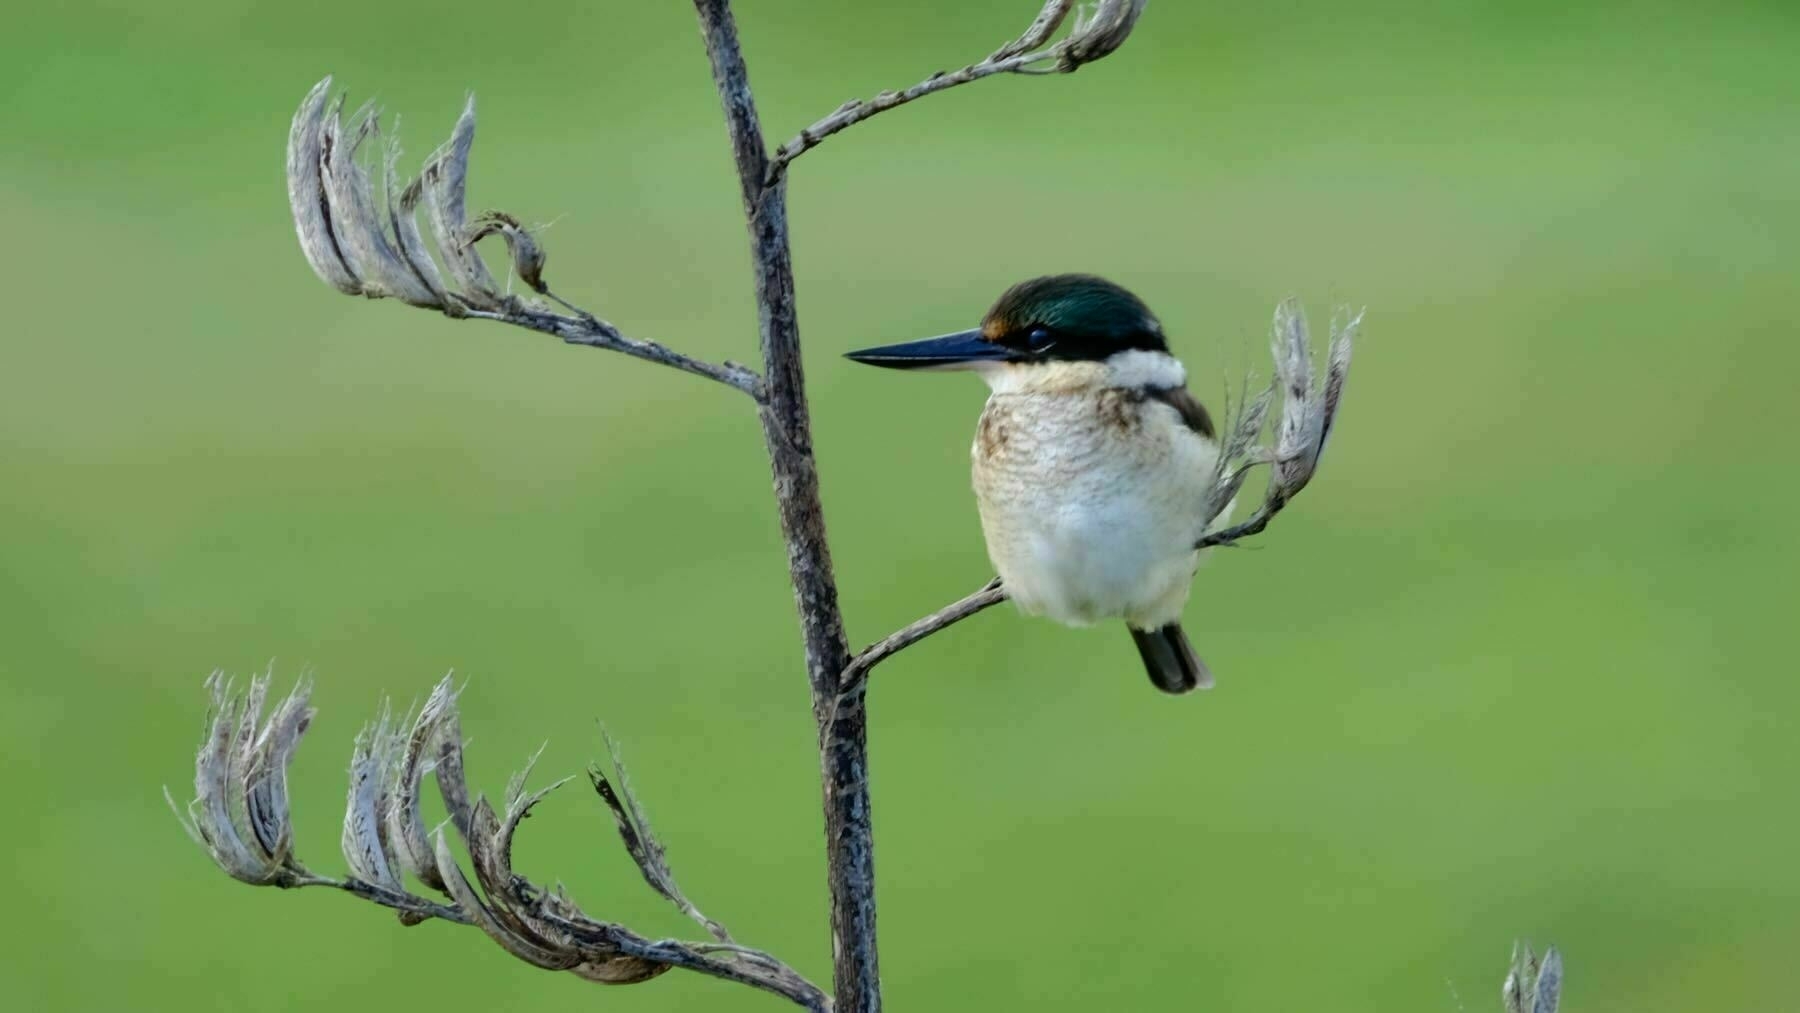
{"x": 1170, "y": 659}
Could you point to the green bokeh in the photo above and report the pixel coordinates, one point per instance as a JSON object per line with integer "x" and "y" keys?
{"x": 1520, "y": 662}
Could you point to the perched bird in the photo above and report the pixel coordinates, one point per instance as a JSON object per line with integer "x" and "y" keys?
{"x": 1092, "y": 462}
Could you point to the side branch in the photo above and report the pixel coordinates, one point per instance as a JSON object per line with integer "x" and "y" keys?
{"x": 1094, "y": 35}
{"x": 1253, "y": 526}
{"x": 1309, "y": 407}
{"x": 240, "y": 816}
{"x": 360, "y": 233}
{"x": 856, "y": 675}
{"x": 855, "y": 111}
{"x": 593, "y": 332}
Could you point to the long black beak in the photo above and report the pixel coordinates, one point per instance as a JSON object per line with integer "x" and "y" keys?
{"x": 952, "y": 351}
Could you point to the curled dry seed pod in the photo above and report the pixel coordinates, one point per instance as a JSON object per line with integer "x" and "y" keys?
{"x": 1337, "y": 365}
{"x": 1546, "y": 992}
{"x": 265, "y": 788}
{"x": 364, "y": 239}
{"x": 361, "y": 236}
{"x": 463, "y": 892}
{"x": 1532, "y": 985}
{"x": 1521, "y": 977}
{"x": 239, "y": 813}
{"x": 1248, "y": 426}
{"x": 306, "y": 193}
{"x": 405, "y": 225}
{"x": 240, "y": 816}
{"x": 447, "y": 770}
{"x": 512, "y": 912}
{"x": 602, "y": 943}
{"x": 1302, "y": 421}
{"x": 619, "y": 970}
{"x": 366, "y": 846}
{"x": 527, "y": 255}
{"x": 1100, "y": 32}
{"x": 446, "y": 179}
{"x": 641, "y": 842}
{"x": 1309, "y": 406}
{"x": 1042, "y": 27}
{"x": 359, "y": 227}
{"x": 1222, "y": 497}
{"x": 1512, "y": 993}
{"x": 519, "y": 804}
{"x": 402, "y": 814}
{"x": 508, "y": 894}
{"x": 1237, "y": 455}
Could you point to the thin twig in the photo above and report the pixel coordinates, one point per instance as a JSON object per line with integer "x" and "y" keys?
{"x": 405, "y": 903}
{"x": 1253, "y": 526}
{"x": 1099, "y": 29}
{"x": 851, "y": 113}
{"x": 856, "y": 674}
{"x": 772, "y": 975}
{"x": 593, "y": 332}
{"x": 361, "y": 235}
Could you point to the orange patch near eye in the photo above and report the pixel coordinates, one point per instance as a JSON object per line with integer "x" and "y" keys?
{"x": 993, "y": 329}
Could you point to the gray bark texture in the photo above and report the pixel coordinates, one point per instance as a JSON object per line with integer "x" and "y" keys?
{"x": 787, "y": 432}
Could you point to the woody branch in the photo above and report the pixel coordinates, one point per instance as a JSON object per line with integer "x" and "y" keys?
{"x": 241, "y": 816}
{"x": 358, "y": 228}
{"x": 364, "y": 239}
{"x": 1096, "y": 33}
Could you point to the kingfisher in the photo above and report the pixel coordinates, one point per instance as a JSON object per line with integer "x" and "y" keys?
{"x": 1092, "y": 462}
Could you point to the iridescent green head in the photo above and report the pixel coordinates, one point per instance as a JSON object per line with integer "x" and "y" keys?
{"x": 1059, "y": 317}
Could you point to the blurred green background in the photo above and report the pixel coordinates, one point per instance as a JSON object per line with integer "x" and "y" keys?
{"x": 1519, "y": 663}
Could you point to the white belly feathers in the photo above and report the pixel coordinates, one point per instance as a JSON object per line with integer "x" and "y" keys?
{"x": 1090, "y": 499}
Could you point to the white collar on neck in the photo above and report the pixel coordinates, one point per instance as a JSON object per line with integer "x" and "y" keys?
{"x": 1130, "y": 369}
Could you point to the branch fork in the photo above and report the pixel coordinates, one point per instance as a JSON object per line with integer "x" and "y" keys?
{"x": 357, "y": 221}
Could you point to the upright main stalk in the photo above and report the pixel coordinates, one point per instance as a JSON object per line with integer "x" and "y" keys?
{"x": 787, "y": 433}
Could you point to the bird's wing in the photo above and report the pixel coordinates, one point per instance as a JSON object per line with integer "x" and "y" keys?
{"x": 1192, "y": 412}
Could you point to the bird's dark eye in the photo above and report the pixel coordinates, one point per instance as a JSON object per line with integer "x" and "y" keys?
{"x": 1040, "y": 339}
